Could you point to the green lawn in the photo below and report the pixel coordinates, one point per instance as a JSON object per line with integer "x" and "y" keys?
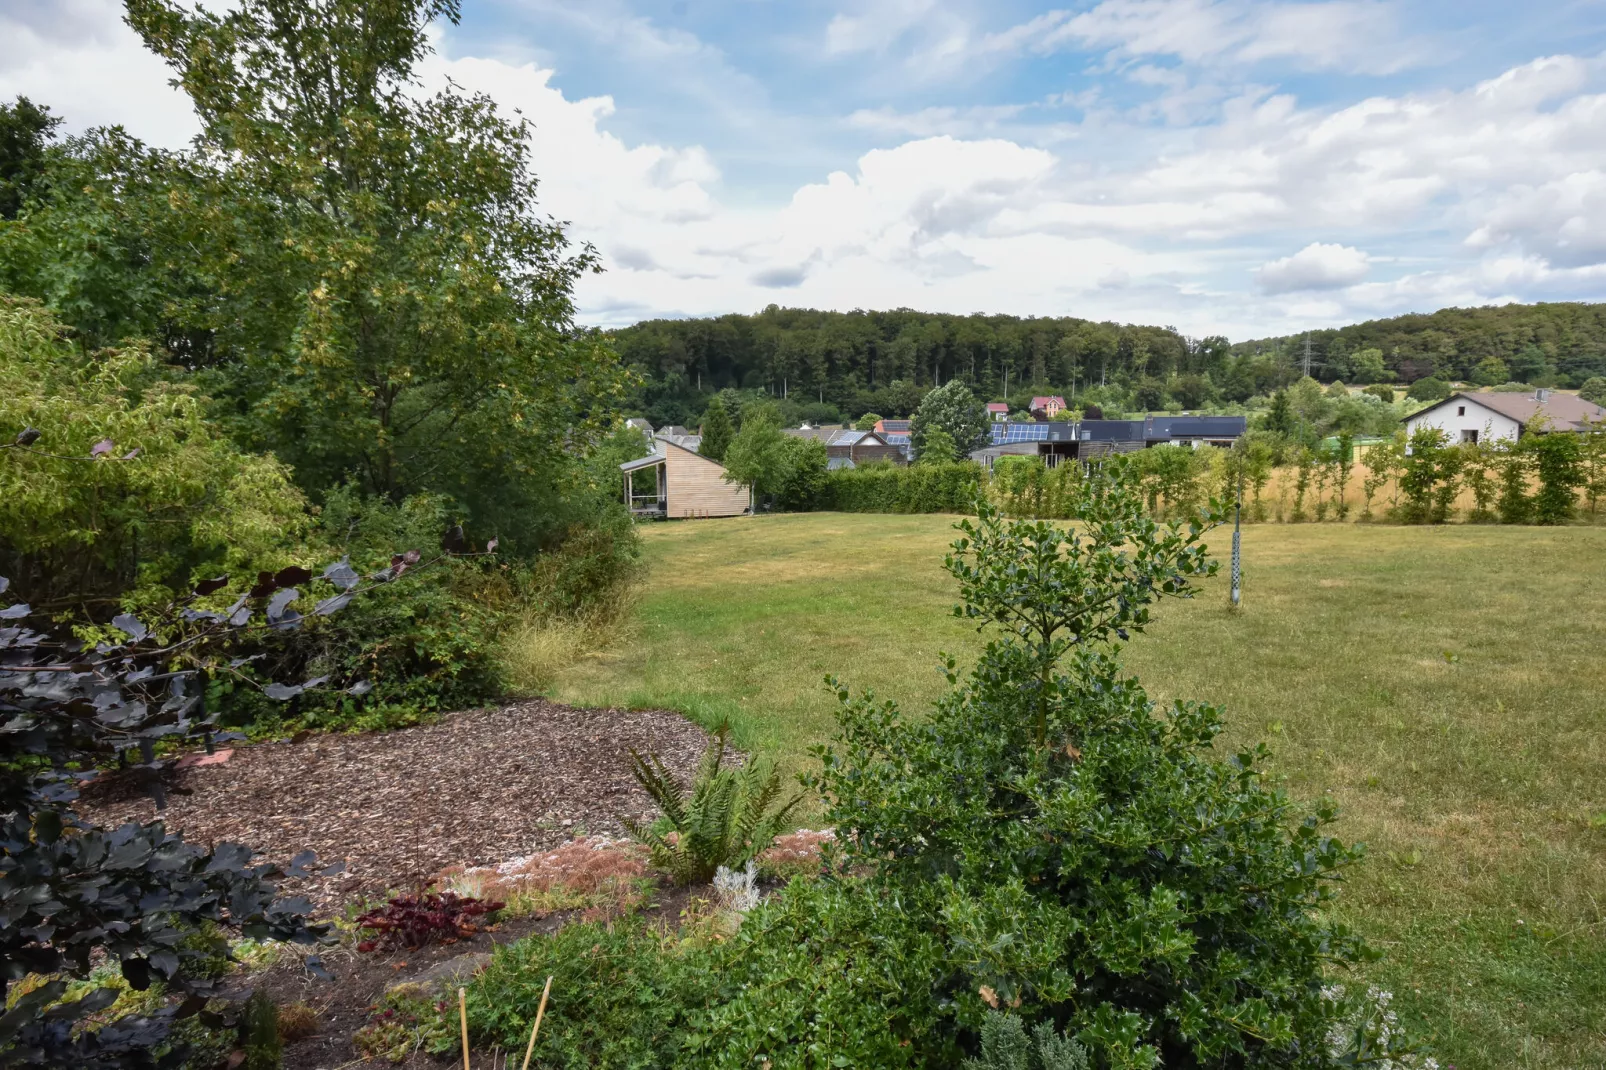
{"x": 1443, "y": 684}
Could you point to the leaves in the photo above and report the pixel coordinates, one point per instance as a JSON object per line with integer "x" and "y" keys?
{"x": 412, "y": 921}
{"x": 728, "y": 818}
{"x": 131, "y": 626}
{"x": 342, "y": 575}
{"x": 1173, "y": 902}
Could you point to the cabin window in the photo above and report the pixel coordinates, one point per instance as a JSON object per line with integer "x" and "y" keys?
{"x": 1460, "y": 410}
{"x": 1469, "y": 436}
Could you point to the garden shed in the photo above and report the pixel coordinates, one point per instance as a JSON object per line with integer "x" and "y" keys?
{"x": 682, "y": 484}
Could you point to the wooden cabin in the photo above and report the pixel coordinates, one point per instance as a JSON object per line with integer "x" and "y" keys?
{"x": 684, "y": 484}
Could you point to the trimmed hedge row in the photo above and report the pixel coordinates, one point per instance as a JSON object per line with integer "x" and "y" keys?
{"x": 886, "y": 488}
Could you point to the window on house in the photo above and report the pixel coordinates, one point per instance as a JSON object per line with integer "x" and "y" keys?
{"x": 1460, "y": 410}
{"x": 1469, "y": 436}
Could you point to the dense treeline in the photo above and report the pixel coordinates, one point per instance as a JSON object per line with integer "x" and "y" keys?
{"x": 883, "y": 362}
{"x": 1560, "y": 344}
{"x": 838, "y": 365}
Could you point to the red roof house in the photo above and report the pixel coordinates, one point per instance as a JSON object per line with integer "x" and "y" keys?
{"x": 1050, "y": 406}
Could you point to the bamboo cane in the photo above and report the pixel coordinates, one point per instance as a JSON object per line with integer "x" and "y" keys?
{"x": 539, "y": 1011}
{"x": 462, "y": 1014}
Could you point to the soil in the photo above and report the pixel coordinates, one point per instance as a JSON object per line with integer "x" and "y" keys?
{"x": 476, "y": 788}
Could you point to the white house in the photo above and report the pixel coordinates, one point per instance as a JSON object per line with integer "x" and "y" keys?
{"x": 1480, "y": 417}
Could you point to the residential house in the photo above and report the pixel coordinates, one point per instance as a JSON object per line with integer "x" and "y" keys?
{"x": 684, "y": 484}
{"x": 1046, "y": 408}
{"x": 997, "y": 411}
{"x": 680, "y": 436}
{"x": 896, "y": 433}
{"x": 1501, "y": 417}
{"x": 847, "y": 448}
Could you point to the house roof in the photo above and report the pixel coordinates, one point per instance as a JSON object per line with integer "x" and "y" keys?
{"x": 838, "y": 436}
{"x": 673, "y": 431}
{"x": 1564, "y": 410}
{"x": 1049, "y": 400}
{"x": 997, "y": 406}
{"x": 833, "y": 463}
{"x": 648, "y": 461}
{"x": 640, "y": 423}
{"x": 661, "y": 448}
{"x": 896, "y": 427}
{"x": 1165, "y": 427}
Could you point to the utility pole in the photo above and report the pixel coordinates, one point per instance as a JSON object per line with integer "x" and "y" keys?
{"x": 1237, "y": 537}
{"x": 1307, "y": 356}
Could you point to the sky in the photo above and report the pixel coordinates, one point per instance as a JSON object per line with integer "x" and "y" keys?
{"x": 1238, "y": 167}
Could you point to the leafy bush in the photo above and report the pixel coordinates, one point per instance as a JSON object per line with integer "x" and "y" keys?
{"x": 426, "y": 645}
{"x": 137, "y": 897}
{"x": 820, "y": 975}
{"x": 1593, "y": 389}
{"x": 1383, "y": 393}
{"x": 128, "y": 490}
{"x": 411, "y": 921}
{"x": 889, "y": 488}
{"x": 1558, "y": 460}
{"x": 1429, "y": 389}
{"x": 728, "y": 818}
{"x": 1175, "y": 902}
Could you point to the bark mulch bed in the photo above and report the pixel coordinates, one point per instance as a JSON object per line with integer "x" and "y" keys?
{"x": 478, "y": 787}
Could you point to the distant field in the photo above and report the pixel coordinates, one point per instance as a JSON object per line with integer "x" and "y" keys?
{"x": 1445, "y": 685}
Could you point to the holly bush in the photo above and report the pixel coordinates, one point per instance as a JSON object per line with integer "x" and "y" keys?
{"x": 1082, "y": 856}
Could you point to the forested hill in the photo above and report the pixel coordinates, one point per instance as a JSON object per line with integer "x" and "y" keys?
{"x": 851, "y": 360}
{"x": 1564, "y": 343}
{"x": 845, "y": 363}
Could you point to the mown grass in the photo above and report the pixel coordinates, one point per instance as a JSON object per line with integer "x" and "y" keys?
{"x": 1443, "y": 684}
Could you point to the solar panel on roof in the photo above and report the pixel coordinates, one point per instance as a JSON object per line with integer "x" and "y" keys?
{"x": 1034, "y": 432}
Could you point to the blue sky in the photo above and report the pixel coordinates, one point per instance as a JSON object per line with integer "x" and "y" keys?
{"x": 1234, "y": 166}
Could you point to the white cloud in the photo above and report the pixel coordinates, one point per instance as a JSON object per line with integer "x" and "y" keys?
{"x": 1495, "y": 191}
{"x": 78, "y": 57}
{"x": 1318, "y": 266}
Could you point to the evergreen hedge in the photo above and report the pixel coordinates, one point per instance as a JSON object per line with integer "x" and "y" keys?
{"x": 888, "y": 488}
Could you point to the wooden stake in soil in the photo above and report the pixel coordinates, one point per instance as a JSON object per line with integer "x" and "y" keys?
{"x": 462, "y": 1014}
{"x": 539, "y": 1011}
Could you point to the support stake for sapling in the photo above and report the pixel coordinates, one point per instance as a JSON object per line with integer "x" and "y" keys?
{"x": 462, "y": 1014}
{"x": 539, "y": 1011}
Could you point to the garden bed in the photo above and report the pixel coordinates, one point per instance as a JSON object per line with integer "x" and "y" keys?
{"x": 477, "y": 787}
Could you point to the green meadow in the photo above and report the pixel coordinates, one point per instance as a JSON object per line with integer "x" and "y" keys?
{"x": 1443, "y": 684}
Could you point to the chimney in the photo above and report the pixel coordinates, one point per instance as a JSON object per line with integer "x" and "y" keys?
{"x": 1542, "y": 395}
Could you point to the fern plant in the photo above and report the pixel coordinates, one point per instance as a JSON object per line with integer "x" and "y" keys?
{"x": 729, "y": 816}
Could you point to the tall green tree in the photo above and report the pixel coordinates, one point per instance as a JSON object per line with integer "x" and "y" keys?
{"x": 955, "y": 409}
{"x": 717, "y": 430}
{"x": 388, "y": 306}
{"x": 26, "y": 129}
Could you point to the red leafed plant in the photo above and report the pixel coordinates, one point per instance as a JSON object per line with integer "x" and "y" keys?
{"x": 415, "y": 920}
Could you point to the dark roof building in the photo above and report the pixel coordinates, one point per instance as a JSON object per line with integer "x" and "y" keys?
{"x": 852, "y": 445}
{"x": 1099, "y": 438}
